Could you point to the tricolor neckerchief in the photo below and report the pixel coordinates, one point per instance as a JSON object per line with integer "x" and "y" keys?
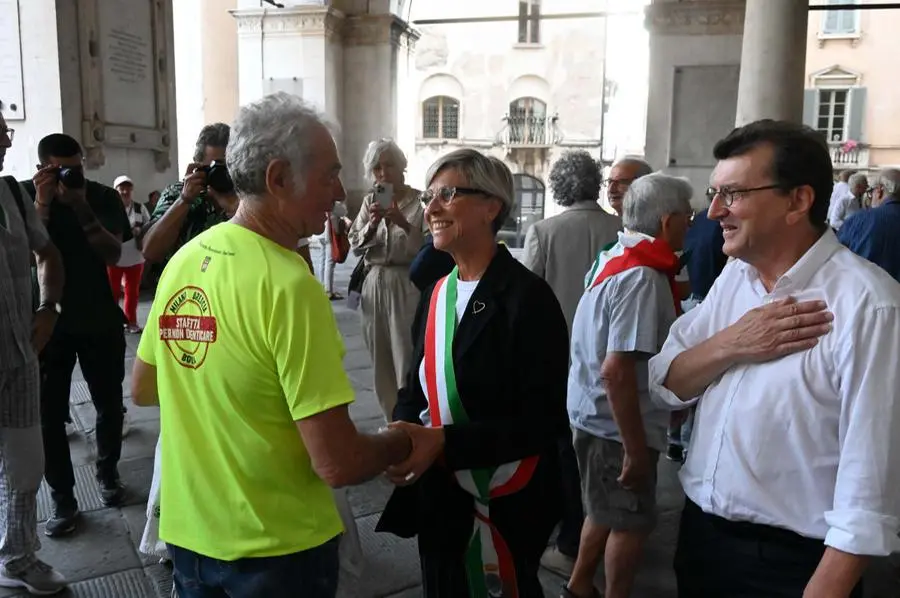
{"x": 489, "y": 564}
{"x": 634, "y": 251}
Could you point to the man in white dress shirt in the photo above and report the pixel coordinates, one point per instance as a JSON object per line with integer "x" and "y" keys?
{"x": 851, "y": 202}
{"x": 793, "y": 479}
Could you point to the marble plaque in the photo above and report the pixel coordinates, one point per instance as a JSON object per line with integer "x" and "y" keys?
{"x": 703, "y": 111}
{"x": 12, "y": 97}
{"x": 126, "y": 51}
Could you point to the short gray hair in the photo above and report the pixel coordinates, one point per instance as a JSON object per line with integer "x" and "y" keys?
{"x": 482, "y": 172}
{"x": 641, "y": 166}
{"x": 856, "y": 179}
{"x": 889, "y": 179}
{"x": 373, "y": 155}
{"x": 279, "y": 126}
{"x": 652, "y": 197}
{"x": 575, "y": 177}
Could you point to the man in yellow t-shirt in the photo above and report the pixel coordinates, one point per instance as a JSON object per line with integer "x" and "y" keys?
{"x": 242, "y": 353}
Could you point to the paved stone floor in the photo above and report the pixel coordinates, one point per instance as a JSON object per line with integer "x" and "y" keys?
{"x": 102, "y": 560}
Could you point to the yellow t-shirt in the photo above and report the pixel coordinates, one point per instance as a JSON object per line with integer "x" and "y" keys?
{"x": 244, "y": 343}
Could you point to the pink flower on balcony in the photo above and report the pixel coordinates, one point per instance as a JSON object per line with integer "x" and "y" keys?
{"x": 849, "y": 146}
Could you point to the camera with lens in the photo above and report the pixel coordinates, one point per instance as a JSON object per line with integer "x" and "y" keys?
{"x": 217, "y": 177}
{"x": 71, "y": 178}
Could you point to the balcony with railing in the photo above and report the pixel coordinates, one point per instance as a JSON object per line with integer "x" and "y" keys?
{"x": 849, "y": 154}
{"x": 529, "y": 131}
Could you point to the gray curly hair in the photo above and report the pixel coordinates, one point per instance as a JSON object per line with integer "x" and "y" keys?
{"x": 575, "y": 177}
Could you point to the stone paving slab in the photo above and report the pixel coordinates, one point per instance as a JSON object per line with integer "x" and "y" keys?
{"x": 100, "y": 547}
{"x": 391, "y": 566}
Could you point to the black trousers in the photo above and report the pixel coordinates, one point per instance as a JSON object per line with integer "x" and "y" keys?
{"x": 717, "y": 558}
{"x": 569, "y": 537}
{"x": 102, "y": 358}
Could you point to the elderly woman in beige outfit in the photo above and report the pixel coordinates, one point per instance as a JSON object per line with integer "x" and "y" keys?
{"x": 388, "y": 240}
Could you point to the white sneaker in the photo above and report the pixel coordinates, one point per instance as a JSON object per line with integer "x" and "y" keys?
{"x": 40, "y": 579}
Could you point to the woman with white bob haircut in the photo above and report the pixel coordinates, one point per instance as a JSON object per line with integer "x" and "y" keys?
{"x": 484, "y": 400}
{"x": 387, "y": 233}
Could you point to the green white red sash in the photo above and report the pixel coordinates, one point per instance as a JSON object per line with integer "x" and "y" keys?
{"x": 489, "y": 563}
{"x": 633, "y": 251}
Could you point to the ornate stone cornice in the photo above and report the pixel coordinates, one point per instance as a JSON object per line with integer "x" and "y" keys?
{"x": 372, "y": 30}
{"x": 696, "y": 17}
{"x": 300, "y": 20}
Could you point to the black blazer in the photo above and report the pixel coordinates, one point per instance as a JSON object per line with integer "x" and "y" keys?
{"x": 511, "y": 362}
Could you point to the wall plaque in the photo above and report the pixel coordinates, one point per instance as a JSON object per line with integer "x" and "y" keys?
{"x": 125, "y": 75}
{"x": 704, "y": 103}
{"x": 12, "y": 96}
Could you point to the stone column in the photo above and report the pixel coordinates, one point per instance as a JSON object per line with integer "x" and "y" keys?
{"x": 296, "y": 49}
{"x": 377, "y": 57}
{"x": 773, "y": 61}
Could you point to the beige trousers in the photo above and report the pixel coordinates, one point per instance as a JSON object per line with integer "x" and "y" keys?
{"x": 388, "y": 306}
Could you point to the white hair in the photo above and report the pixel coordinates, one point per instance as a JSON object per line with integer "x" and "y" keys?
{"x": 279, "y": 126}
{"x": 857, "y": 179}
{"x": 652, "y": 197}
{"x": 373, "y": 155}
{"x": 641, "y": 166}
{"x": 889, "y": 179}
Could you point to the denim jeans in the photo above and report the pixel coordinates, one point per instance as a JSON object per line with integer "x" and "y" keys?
{"x": 312, "y": 573}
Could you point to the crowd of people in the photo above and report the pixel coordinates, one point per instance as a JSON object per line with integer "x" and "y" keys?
{"x": 751, "y": 341}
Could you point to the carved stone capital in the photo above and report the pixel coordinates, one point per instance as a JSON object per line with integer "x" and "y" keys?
{"x": 373, "y": 30}
{"x": 696, "y": 17}
{"x": 300, "y": 20}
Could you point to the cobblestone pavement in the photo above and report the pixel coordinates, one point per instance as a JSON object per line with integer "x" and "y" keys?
{"x": 102, "y": 560}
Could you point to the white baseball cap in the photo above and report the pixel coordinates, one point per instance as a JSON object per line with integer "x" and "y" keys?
{"x": 120, "y": 180}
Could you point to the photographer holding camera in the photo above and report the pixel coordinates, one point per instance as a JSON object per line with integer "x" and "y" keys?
{"x": 87, "y": 222}
{"x": 203, "y": 199}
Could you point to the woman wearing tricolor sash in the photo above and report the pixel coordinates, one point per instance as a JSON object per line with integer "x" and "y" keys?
{"x": 484, "y": 401}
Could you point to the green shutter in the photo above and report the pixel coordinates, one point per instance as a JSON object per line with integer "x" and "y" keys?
{"x": 809, "y": 107}
{"x": 855, "y": 130}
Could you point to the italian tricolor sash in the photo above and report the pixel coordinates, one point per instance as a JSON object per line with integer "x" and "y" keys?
{"x": 489, "y": 563}
{"x": 633, "y": 251}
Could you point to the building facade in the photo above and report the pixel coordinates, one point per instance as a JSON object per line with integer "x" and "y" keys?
{"x": 851, "y": 93}
{"x": 525, "y": 89}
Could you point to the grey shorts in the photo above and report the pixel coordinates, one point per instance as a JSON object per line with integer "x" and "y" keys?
{"x": 605, "y": 501}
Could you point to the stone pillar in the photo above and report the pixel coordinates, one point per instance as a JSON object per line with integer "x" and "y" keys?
{"x": 294, "y": 49}
{"x": 773, "y": 61}
{"x": 377, "y": 57}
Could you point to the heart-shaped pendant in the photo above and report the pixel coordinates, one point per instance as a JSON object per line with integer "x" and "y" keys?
{"x": 477, "y": 306}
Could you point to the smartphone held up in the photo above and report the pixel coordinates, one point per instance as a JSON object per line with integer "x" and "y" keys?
{"x": 384, "y": 195}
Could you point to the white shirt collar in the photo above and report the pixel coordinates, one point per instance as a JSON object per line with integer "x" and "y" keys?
{"x": 799, "y": 275}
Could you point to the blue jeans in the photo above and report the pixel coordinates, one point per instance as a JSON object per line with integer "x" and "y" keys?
{"x": 312, "y": 573}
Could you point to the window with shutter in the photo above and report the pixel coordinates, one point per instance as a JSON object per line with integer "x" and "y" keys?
{"x": 831, "y": 113}
{"x": 840, "y": 22}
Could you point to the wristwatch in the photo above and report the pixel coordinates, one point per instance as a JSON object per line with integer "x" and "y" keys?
{"x": 49, "y": 305}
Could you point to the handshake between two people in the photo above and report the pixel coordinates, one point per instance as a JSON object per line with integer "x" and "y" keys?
{"x": 426, "y": 446}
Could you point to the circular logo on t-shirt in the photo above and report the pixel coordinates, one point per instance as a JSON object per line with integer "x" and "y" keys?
{"x": 188, "y": 327}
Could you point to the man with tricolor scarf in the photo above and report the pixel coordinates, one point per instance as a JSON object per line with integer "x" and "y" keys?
{"x": 622, "y": 320}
